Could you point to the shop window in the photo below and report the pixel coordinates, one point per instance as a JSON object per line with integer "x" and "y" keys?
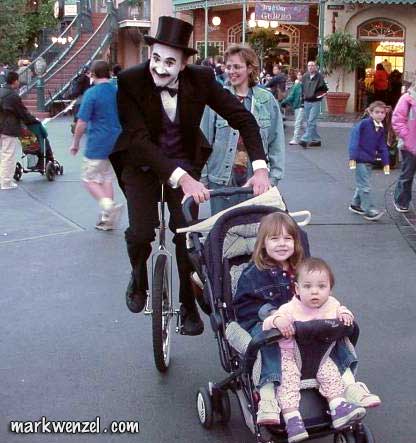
{"x": 380, "y": 29}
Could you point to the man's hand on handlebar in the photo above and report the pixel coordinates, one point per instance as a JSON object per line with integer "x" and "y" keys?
{"x": 260, "y": 181}
{"x": 194, "y": 188}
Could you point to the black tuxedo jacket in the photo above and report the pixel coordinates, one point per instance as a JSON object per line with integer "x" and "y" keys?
{"x": 140, "y": 113}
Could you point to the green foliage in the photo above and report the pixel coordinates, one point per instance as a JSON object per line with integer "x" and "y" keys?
{"x": 36, "y": 21}
{"x": 263, "y": 41}
{"x": 344, "y": 53}
{"x": 12, "y": 29}
{"x": 19, "y": 27}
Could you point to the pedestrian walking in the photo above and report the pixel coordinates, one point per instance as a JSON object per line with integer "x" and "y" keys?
{"x": 404, "y": 124}
{"x": 314, "y": 89}
{"x": 98, "y": 116}
{"x": 278, "y": 83}
{"x": 367, "y": 140}
{"x": 161, "y": 103}
{"x": 12, "y": 114}
{"x": 295, "y": 100}
{"x": 229, "y": 164}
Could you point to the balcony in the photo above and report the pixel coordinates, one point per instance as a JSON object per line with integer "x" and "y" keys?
{"x": 134, "y": 14}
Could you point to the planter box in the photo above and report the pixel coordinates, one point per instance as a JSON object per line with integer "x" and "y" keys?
{"x": 337, "y": 102}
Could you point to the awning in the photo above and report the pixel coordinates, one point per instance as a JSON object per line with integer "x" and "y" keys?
{"x": 383, "y": 2}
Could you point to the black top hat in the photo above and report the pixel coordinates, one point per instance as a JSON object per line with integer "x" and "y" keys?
{"x": 173, "y": 32}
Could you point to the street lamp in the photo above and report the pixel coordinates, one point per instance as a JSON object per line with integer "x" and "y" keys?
{"x": 216, "y": 21}
{"x": 40, "y": 69}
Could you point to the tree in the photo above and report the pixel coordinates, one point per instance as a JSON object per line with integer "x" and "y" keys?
{"x": 19, "y": 27}
{"x": 263, "y": 41}
{"x": 344, "y": 53}
{"x": 12, "y": 30}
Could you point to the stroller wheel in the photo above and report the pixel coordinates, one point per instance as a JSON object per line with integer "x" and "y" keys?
{"x": 18, "y": 172}
{"x": 345, "y": 436}
{"x": 61, "y": 170}
{"x": 50, "y": 171}
{"x": 204, "y": 408}
{"x": 224, "y": 407}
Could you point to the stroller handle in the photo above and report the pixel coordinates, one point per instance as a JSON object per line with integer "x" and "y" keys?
{"x": 220, "y": 192}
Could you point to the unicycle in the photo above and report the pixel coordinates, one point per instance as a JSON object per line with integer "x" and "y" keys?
{"x": 160, "y": 303}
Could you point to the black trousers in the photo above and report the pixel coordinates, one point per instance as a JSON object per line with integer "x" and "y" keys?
{"x": 142, "y": 191}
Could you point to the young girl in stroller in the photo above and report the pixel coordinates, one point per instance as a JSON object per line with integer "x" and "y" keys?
{"x": 313, "y": 300}
{"x": 265, "y": 285}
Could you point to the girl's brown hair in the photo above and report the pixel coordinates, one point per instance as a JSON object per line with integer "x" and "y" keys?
{"x": 250, "y": 58}
{"x": 272, "y": 225}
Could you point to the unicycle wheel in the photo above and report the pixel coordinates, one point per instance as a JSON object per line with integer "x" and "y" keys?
{"x": 162, "y": 314}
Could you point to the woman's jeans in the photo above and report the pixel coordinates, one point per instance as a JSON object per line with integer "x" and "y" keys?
{"x": 362, "y": 196}
{"x": 311, "y": 116}
{"x": 299, "y": 113}
{"x": 403, "y": 191}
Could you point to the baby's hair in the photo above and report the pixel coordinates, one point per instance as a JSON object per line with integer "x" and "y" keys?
{"x": 376, "y": 104}
{"x": 315, "y": 264}
{"x": 271, "y": 225}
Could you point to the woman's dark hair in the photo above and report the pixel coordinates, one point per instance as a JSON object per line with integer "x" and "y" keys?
{"x": 100, "y": 69}
{"x": 11, "y": 77}
{"x": 380, "y": 67}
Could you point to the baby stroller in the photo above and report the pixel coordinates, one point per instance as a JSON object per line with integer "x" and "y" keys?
{"x": 219, "y": 261}
{"x": 37, "y": 155}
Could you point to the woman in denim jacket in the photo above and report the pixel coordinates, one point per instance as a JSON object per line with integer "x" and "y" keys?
{"x": 229, "y": 164}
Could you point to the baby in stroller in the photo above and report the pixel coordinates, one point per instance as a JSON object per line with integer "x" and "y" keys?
{"x": 235, "y": 290}
{"x": 313, "y": 300}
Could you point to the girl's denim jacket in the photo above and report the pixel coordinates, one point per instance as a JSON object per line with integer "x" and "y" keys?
{"x": 223, "y": 138}
{"x": 260, "y": 292}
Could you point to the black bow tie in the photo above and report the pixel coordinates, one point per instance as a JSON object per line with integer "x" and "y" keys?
{"x": 172, "y": 91}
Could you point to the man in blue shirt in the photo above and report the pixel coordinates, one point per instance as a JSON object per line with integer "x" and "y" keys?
{"x": 98, "y": 116}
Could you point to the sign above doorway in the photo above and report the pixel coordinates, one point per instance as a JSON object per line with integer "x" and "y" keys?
{"x": 296, "y": 14}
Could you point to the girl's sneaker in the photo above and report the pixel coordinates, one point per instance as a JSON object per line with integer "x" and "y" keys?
{"x": 295, "y": 429}
{"x": 356, "y": 209}
{"x": 345, "y": 413}
{"x": 360, "y": 395}
{"x": 268, "y": 413}
{"x": 293, "y": 142}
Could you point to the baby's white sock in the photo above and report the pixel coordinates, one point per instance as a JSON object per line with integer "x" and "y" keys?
{"x": 335, "y": 402}
{"x": 288, "y": 415}
{"x": 106, "y": 203}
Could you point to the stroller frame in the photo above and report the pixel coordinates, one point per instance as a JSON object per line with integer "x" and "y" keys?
{"x": 50, "y": 168}
{"x": 214, "y": 399}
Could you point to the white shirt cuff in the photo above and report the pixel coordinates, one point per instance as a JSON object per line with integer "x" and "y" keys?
{"x": 259, "y": 164}
{"x": 176, "y": 176}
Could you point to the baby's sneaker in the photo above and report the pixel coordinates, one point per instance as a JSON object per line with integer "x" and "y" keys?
{"x": 295, "y": 429}
{"x": 345, "y": 413}
{"x": 360, "y": 395}
{"x": 268, "y": 413}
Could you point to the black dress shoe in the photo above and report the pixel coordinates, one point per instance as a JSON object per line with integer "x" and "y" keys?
{"x": 315, "y": 143}
{"x": 303, "y": 144}
{"x": 135, "y": 298}
{"x": 191, "y": 321}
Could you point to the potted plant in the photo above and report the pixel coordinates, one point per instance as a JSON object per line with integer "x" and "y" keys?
{"x": 342, "y": 53}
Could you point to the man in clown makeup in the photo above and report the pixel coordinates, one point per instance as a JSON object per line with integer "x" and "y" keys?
{"x": 160, "y": 105}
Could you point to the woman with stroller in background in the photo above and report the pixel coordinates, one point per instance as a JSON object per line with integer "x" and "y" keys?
{"x": 229, "y": 164}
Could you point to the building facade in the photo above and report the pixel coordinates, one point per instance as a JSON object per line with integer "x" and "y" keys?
{"x": 385, "y": 27}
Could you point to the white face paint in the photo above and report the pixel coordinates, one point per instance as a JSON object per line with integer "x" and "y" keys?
{"x": 165, "y": 64}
